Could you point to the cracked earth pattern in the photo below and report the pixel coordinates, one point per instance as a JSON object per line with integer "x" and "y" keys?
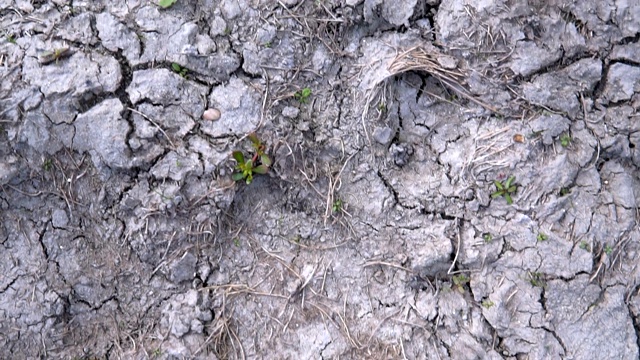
{"x": 377, "y": 232}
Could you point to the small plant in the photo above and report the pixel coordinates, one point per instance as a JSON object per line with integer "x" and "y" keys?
{"x": 608, "y": 249}
{"x": 487, "y": 304}
{"x": 565, "y": 140}
{"x": 542, "y": 237}
{"x": 179, "y": 69}
{"x": 505, "y": 189}
{"x": 585, "y": 246}
{"x": 267, "y": 45}
{"x": 47, "y": 165}
{"x": 536, "y": 279}
{"x": 303, "y": 95}
{"x": 259, "y": 163}
{"x": 460, "y": 281}
{"x": 382, "y": 107}
{"x": 48, "y": 57}
{"x": 227, "y": 30}
{"x": 236, "y": 242}
{"x": 11, "y": 39}
{"x": 166, "y": 3}
{"x": 565, "y": 191}
{"x": 337, "y": 206}
{"x": 487, "y": 237}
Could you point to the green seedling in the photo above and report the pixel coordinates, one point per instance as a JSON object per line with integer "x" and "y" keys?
{"x": 259, "y": 163}
{"x": 48, "y": 57}
{"x": 337, "y": 206}
{"x": 487, "y": 304}
{"x": 236, "y": 242}
{"x": 585, "y": 246}
{"x": 11, "y": 39}
{"x": 460, "y": 281}
{"x": 565, "y": 140}
{"x": 268, "y": 44}
{"x": 608, "y": 249}
{"x": 505, "y": 189}
{"x": 487, "y": 237}
{"x": 227, "y": 30}
{"x": 179, "y": 69}
{"x": 303, "y": 95}
{"x": 536, "y": 279}
{"x": 47, "y": 165}
{"x": 382, "y": 107}
{"x": 542, "y": 237}
{"x": 565, "y": 191}
{"x": 166, "y": 3}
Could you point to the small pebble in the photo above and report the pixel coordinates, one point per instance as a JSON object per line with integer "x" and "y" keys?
{"x": 211, "y": 114}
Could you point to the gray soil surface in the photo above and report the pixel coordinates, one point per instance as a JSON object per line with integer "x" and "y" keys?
{"x": 379, "y": 231}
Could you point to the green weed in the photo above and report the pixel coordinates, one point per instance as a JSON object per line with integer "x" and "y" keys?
{"x": 487, "y": 304}
{"x": 505, "y": 189}
{"x": 536, "y": 279}
{"x": 303, "y": 95}
{"x": 608, "y": 249}
{"x": 460, "y": 281}
{"x": 565, "y": 140}
{"x": 337, "y": 206}
{"x": 487, "y": 237}
{"x": 585, "y": 246}
{"x": 542, "y": 237}
{"x": 179, "y": 70}
{"x": 166, "y": 3}
{"x": 47, "y": 165}
{"x": 258, "y": 163}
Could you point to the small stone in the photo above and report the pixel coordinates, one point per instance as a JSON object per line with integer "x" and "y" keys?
{"x": 290, "y": 112}
{"x": 59, "y": 218}
{"x": 211, "y": 114}
{"x": 383, "y": 135}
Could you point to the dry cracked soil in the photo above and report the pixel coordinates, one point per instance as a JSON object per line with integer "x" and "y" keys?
{"x": 451, "y": 179}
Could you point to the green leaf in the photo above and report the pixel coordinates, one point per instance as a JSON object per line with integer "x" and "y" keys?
{"x": 176, "y": 67}
{"x": 509, "y": 200}
{"x": 509, "y": 181}
{"x": 512, "y": 189}
{"x": 248, "y": 165}
{"x": 238, "y": 156}
{"x": 265, "y": 160}
{"x": 499, "y": 185}
{"x": 496, "y": 194}
{"x": 237, "y": 176}
{"x": 254, "y": 139}
{"x": 262, "y": 169}
{"x": 166, "y": 3}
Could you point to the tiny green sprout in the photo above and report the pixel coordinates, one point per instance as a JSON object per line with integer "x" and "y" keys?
{"x": 487, "y": 237}
{"x": 565, "y": 191}
{"x": 303, "y": 95}
{"x": 236, "y": 242}
{"x": 47, "y": 165}
{"x": 11, "y": 39}
{"x": 227, "y": 30}
{"x": 382, "y": 107}
{"x": 487, "y": 304}
{"x": 536, "y": 279}
{"x": 585, "y": 246}
{"x": 179, "y": 69}
{"x": 460, "y": 281}
{"x": 337, "y": 206}
{"x": 259, "y": 163}
{"x": 608, "y": 249}
{"x": 542, "y": 237}
{"x": 565, "y": 140}
{"x": 166, "y": 3}
{"x": 267, "y": 44}
{"x": 505, "y": 189}
{"x": 157, "y": 352}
